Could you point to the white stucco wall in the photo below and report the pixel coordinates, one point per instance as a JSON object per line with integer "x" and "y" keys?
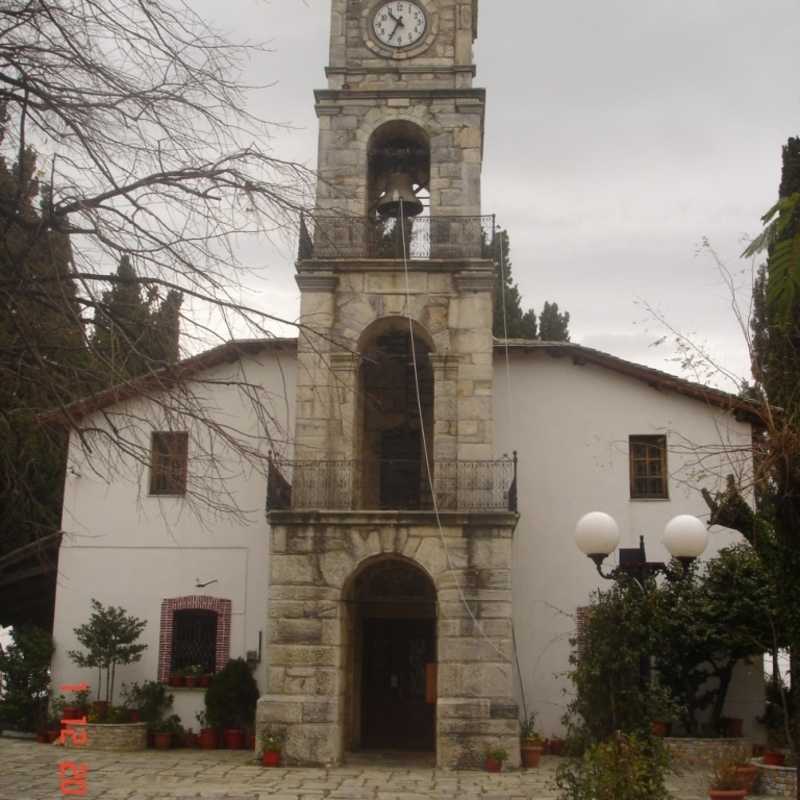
{"x": 570, "y": 425}
{"x": 127, "y": 548}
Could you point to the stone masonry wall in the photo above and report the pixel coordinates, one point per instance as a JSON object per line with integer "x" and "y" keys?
{"x": 453, "y": 310}
{"x": 777, "y": 781}
{"x": 453, "y": 123}
{"x": 127, "y": 737}
{"x": 314, "y": 557}
{"x": 446, "y": 44}
{"x": 694, "y": 753}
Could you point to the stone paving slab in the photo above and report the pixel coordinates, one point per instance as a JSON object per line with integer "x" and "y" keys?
{"x": 29, "y": 771}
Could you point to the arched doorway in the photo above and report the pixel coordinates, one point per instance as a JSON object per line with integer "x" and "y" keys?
{"x": 391, "y": 657}
{"x": 393, "y": 436}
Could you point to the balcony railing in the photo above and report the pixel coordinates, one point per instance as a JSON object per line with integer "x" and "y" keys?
{"x": 425, "y": 237}
{"x": 398, "y": 485}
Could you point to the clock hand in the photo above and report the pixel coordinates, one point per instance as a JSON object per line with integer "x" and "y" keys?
{"x": 398, "y": 25}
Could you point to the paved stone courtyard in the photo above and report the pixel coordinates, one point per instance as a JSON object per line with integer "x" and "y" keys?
{"x": 30, "y": 772}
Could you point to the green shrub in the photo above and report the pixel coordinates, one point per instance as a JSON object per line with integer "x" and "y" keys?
{"x": 621, "y": 768}
{"x": 231, "y": 697}
{"x": 151, "y": 699}
{"x": 25, "y": 667}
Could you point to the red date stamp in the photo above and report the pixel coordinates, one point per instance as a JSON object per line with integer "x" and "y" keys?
{"x": 73, "y": 776}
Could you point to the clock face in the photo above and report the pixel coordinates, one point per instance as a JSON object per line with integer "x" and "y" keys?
{"x": 399, "y": 23}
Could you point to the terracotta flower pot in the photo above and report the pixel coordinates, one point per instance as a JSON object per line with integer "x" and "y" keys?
{"x": 659, "y": 728}
{"x": 205, "y": 680}
{"x": 556, "y": 747}
{"x": 100, "y": 707}
{"x": 71, "y": 712}
{"x": 234, "y": 738}
{"x": 191, "y": 681}
{"x": 747, "y": 774}
{"x": 734, "y": 727}
{"x": 727, "y": 794}
{"x": 531, "y": 754}
{"x": 774, "y": 759}
{"x": 493, "y": 765}
{"x": 177, "y": 680}
{"x": 135, "y": 715}
{"x": 163, "y": 741}
{"x": 271, "y": 758}
{"x": 208, "y": 739}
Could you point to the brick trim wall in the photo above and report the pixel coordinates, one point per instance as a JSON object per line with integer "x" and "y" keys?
{"x": 192, "y": 603}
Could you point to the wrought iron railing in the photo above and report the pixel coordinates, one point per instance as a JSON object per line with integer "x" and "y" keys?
{"x": 392, "y": 485}
{"x": 424, "y": 237}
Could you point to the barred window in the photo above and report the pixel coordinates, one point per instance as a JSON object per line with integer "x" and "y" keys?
{"x": 194, "y": 640}
{"x": 169, "y": 454}
{"x": 648, "y": 467}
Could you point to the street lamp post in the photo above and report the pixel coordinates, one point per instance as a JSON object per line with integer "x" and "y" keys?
{"x": 685, "y": 537}
{"x": 597, "y": 535}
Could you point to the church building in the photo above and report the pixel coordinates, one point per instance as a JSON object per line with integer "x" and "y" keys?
{"x": 394, "y": 555}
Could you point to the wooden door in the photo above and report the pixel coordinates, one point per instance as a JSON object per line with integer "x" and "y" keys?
{"x": 395, "y": 714}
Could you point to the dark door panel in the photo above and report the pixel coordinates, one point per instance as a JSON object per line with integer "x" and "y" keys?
{"x": 395, "y": 713}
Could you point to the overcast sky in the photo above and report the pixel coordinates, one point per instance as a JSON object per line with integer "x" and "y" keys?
{"x": 619, "y": 134}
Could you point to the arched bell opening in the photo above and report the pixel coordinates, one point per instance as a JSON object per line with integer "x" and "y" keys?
{"x": 396, "y": 417}
{"x": 398, "y": 191}
{"x": 390, "y": 653}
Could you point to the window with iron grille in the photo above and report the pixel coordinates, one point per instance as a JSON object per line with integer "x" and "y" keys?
{"x": 648, "y": 467}
{"x": 169, "y": 453}
{"x": 194, "y": 640}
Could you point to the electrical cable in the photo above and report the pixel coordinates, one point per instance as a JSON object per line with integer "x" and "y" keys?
{"x": 428, "y": 470}
{"x": 502, "y": 265}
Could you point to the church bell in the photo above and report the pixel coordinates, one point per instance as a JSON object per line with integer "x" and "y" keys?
{"x": 399, "y": 188}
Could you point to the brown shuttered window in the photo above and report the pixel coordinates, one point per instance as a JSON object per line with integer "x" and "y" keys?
{"x": 648, "y": 465}
{"x": 169, "y": 453}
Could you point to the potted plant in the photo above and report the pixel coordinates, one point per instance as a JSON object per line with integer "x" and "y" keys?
{"x": 78, "y": 707}
{"x": 531, "y": 744}
{"x": 192, "y": 675}
{"x": 746, "y": 772}
{"x": 111, "y": 639}
{"x": 725, "y": 784}
{"x": 231, "y": 702}
{"x": 208, "y": 735}
{"x": 177, "y": 678}
{"x": 151, "y": 701}
{"x": 660, "y": 728}
{"x": 494, "y": 759}
{"x": 271, "y": 748}
{"x": 162, "y": 734}
{"x": 205, "y": 679}
{"x": 776, "y": 741}
{"x": 773, "y": 758}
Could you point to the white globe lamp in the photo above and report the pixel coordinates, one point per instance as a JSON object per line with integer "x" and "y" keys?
{"x": 597, "y": 534}
{"x": 685, "y": 537}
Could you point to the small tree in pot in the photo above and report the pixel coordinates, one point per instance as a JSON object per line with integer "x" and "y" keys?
{"x": 231, "y": 702}
{"x": 110, "y": 638}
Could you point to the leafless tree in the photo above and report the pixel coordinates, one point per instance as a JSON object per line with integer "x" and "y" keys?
{"x": 145, "y": 148}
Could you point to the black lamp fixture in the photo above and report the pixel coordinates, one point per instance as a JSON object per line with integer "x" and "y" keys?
{"x": 597, "y": 535}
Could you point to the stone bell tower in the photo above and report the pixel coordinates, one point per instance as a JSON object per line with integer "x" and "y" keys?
{"x": 391, "y": 528}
